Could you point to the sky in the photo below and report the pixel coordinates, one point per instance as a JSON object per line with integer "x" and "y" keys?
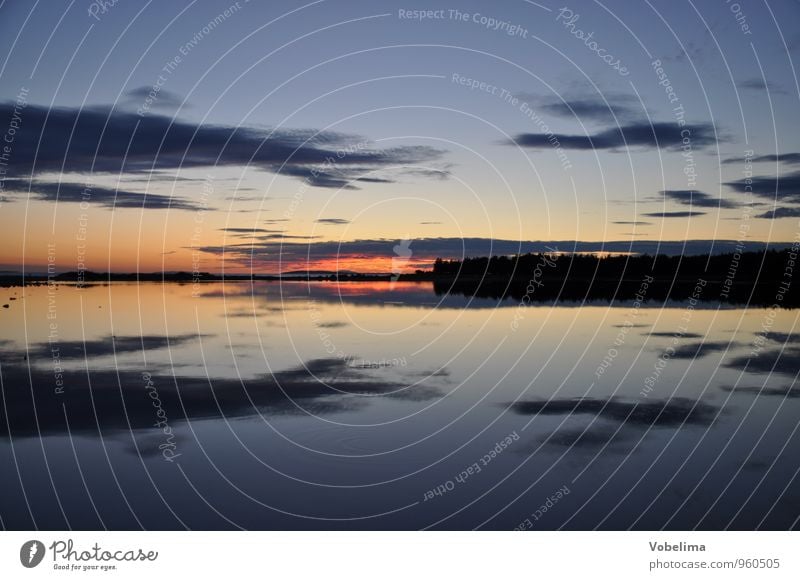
{"x": 375, "y": 136}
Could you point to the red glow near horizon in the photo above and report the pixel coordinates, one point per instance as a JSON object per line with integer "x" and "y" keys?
{"x": 359, "y": 263}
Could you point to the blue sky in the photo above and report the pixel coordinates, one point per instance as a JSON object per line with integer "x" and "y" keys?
{"x": 440, "y": 125}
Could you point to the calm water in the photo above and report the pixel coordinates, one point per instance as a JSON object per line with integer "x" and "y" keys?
{"x": 359, "y": 405}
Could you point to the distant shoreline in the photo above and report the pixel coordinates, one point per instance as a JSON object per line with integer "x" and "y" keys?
{"x": 94, "y": 278}
{"x": 757, "y": 278}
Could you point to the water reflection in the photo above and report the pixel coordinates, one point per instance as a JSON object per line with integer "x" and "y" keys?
{"x": 341, "y": 405}
{"x": 102, "y": 401}
{"x": 676, "y": 411}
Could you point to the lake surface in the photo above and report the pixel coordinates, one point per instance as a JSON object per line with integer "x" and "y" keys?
{"x": 383, "y": 405}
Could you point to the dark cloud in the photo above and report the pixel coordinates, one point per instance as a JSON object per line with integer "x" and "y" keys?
{"x": 162, "y": 99}
{"x": 788, "y": 391}
{"x": 672, "y": 214}
{"x": 373, "y": 180}
{"x": 662, "y": 413}
{"x": 335, "y": 324}
{"x": 780, "y": 212}
{"x": 114, "y": 401}
{"x": 107, "y": 140}
{"x": 696, "y": 198}
{"x": 341, "y": 178}
{"x": 442, "y": 372}
{"x": 632, "y": 223}
{"x": 788, "y": 158}
{"x": 673, "y": 335}
{"x": 782, "y": 188}
{"x": 66, "y": 192}
{"x": 783, "y": 337}
{"x": 595, "y": 110}
{"x": 333, "y": 221}
{"x": 657, "y": 135}
{"x": 250, "y": 231}
{"x": 109, "y": 345}
{"x": 318, "y": 177}
{"x": 608, "y": 108}
{"x": 785, "y": 362}
{"x": 440, "y": 174}
{"x": 281, "y": 236}
{"x": 700, "y": 349}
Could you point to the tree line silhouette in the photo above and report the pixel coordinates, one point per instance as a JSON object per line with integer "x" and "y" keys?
{"x": 762, "y": 278}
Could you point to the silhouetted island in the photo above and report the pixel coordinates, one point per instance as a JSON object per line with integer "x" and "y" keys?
{"x": 759, "y": 278}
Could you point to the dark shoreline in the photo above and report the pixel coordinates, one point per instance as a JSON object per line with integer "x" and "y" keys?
{"x": 755, "y": 278}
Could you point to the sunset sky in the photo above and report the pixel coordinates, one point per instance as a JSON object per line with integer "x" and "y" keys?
{"x": 367, "y": 136}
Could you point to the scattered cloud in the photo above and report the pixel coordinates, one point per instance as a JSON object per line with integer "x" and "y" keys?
{"x": 782, "y": 187}
{"x": 110, "y": 345}
{"x": 249, "y": 231}
{"x": 785, "y": 361}
{"x": 107, "y": 140}
{"x": 700, "y": 349}
{"x": 788, "y": 391}
{"x": 333, "y": 221}
{"x": 673, "y": 214}
{"x": 780, "y": 212}
{"x": 696, "y": 198}
{"x": 783, "y": 337}
{"x": 427, "y": 173}
{"x": 70, "y": 192}
{"x": 788, "y": 158}
{"x": 162, "y": 99}
{"x": 673, "y": 335}
{"x": 115, "y": 400}
{"x": 606, "y": 108}
{"x": 667, "y": 413}
{"x": 642, "y": 134}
